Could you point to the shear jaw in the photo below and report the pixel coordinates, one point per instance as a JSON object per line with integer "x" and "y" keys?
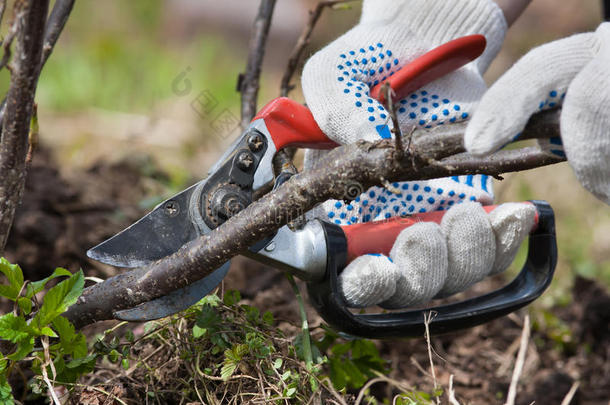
{"x": 246, "y": 167}
{"x": 301, "y": 252}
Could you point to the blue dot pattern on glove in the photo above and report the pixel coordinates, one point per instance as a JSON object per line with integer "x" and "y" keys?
{"x": 408, "y": 198}
{"x": 362, "y": 69}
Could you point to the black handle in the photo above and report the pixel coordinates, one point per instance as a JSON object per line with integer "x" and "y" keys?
{"x": 531, "y": 282}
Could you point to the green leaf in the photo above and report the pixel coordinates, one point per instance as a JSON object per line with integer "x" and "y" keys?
{"x": 212, "y": 300}
{"x": 198, "y": 332}
{"x": 14, "y": 328}
{"x": 75, "y": 368}
{"x": 337, "y": 374}
{"x": 231, "y": 298}
{"x": 48, "y": 332}
{"x": 37, "y": 286}
{"x": 208, "y": 318}
{"x": 64, "y": 329}
{"x": 6, "y": 393}
{"x": 79, "y": 346}
{"x": 277, "y": 363}
{"x": 59, "y": 299}
{"x": 129, "y": 336}
{"x": 290, "y": 392}
{"x": 25, "y": 305}
{"x": 268, "y": 318}
{"x": 72, "y": 343}
{"x": 24, "y": 348}
{"x": 14, "y": 275}
{"x": 227, "y": 369}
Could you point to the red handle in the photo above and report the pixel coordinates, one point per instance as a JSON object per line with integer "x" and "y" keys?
{"x": 432, "y": 65}
{"x": 292, "y": 124}
{"x": 379, "y": 236}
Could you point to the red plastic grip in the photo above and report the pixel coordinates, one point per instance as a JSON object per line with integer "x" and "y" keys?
{"x": 292, "y": 124}
{"x": 379, "y": 236}
{"x": 432, "y": 65}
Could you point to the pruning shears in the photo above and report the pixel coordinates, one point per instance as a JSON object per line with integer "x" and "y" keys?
{"x": 317, "y": 251}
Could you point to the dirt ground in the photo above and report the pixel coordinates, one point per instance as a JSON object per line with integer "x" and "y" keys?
{"x": 61, "y": 218}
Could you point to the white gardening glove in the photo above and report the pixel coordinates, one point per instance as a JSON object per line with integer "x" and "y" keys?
{"x": 574, "y": 73}
{"x": 426, "y": 260}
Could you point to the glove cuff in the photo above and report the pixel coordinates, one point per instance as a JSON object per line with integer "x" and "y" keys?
{"x": 439, "y": 21}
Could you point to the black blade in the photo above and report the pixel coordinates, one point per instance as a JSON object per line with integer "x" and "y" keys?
{"x": 175, "y": 301}
{"x": 158, "y": 234}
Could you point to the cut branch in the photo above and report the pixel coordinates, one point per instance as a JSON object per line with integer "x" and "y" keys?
{"x": 302, "y": 42}
{"x": 249, "y": 82}
{"x": 365, "y": 162}
{"x": 30, "y": 17}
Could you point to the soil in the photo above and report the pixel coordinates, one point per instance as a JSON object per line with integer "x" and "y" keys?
{"x": 61, "y": 218}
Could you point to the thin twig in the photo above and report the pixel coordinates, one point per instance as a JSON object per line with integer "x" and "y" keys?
{"x": 302, "y": 42}
{"x": 48, "y": 362}
{"x": 249, "y": 81}
{"x": 55, "y": 24}
{"x": 366, "y": 387}
{"x": 570, "y": 395}
{"x": 7, "y": 42}
{"x": 427, "y": 319}
{"x": 452, "y": 399}
{"x": 388, "y": 95}
{"x": 2, "y": 9}
{"x": 525, "y": 336}
{"x": 307, "y": 354}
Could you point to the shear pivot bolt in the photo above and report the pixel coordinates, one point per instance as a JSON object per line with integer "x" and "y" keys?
{"x": 255, "y": 142}
{"x": 245, "y": 161}
{"x": 171, "y": 208}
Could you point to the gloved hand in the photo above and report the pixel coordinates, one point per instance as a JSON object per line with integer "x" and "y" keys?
{"x": 574, "y": 73}
{"x": 427, "y": 259}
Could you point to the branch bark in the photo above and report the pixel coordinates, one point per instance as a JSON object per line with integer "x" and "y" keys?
{"x": 30, "y": 17}
{"x": 55, "y": 25}
{"x": 302, "y": 42}
{"x": 249, "y": 82}
{"x": 431, "y": 156}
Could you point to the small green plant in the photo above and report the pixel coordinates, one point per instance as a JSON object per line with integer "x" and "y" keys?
{"x": 38, "y": 333}
{"x": 351, "y": 363}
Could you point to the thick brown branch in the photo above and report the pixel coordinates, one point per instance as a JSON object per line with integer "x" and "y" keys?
{"x": 30, "y": 17}
{"x": 55, "y": 24}
{"x": 249, "y": 81}
{"x": 364, "y": 162}
{"x": 302, "y": 42}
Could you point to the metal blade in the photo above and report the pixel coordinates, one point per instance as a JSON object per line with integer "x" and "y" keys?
{"x": 176, "y": 301}
{"x": 158, "y": 234}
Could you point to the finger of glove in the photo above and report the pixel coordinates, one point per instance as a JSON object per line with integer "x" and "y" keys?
{"x": 511, "y": 223}
{"x": 368, "y": 280}
{"x": 379, "y": 11}
{"x": 536, "y": 82}
{"x": 440, "y": 21}
{"x": 585, "y": 121}
{"x": 471, "y": 247}
{"x": 420, "y": 255}
{"x": 336, "y": 81}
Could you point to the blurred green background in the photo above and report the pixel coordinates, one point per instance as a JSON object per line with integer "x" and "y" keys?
{"x": 152, "y": 77}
